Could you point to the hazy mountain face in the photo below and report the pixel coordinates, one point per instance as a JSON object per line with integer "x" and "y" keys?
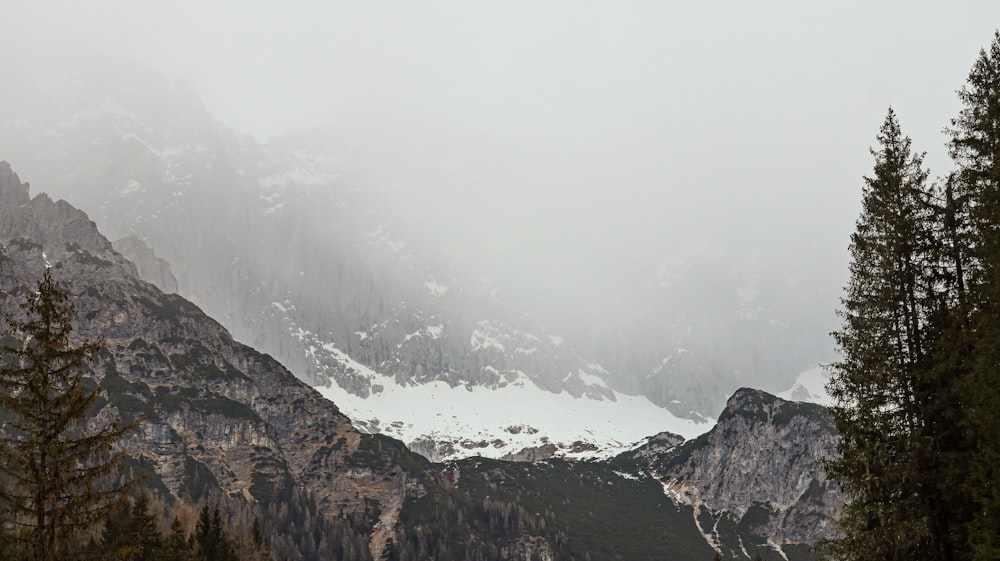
{"x": 302, "y": 248}
{"x": 215, "y": 418}
{"x": 670, "y": 188}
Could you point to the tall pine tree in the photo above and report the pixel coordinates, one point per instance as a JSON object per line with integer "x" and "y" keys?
{"x": 975, "y": 148}
{"x": 884, "y": 345}
{"x": 213, "y": 544}
{"x": 55, "y": 467}
{"x": 918, "y": 386}
{"x": 131, "y": 534}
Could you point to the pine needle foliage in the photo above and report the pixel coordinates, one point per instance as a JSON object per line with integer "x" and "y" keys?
{"x": 917, "y": 389}
{"x": 56, "y": 468}
{"x": 975, "y": 148}
{"x": 883, "y": 344}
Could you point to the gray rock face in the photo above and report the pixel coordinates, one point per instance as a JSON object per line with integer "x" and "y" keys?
{"x": 294, "y": 254}
{"x": 527, "y": 548}
{"x": 659, "y": 444}
{"x": 221, "y": 418}
{"x": 277, "y": 242}
{"x": 761, "y": 466}
{"x": 533, "y": 453}
{"x": 151, "y": 268}
{"x": 218, "y": 417}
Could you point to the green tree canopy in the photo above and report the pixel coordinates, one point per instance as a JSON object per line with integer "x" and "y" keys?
{"x": 883, "y": 343}
{"x": 917, "y": 388}
{"x": 975, "y": 147}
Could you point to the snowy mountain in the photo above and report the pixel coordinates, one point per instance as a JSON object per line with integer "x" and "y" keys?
{"x": 810, "y": 387}
{"x": 296, "y": 251}
{"x": 514, "y": 420}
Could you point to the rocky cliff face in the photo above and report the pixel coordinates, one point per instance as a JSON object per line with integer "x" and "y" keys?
{"x": 218, "y": 418}
{"x": 222, "y": 421}
{"x": 276, "y": 240}
{"x": 151, "y": 268}
{"x": 760, "y": 468}
{"x": 296, "y": 255}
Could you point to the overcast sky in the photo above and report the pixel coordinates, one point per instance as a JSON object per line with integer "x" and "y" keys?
{"x": 553, "y": 127}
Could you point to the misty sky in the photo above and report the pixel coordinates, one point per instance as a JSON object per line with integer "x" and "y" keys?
{"x": 557, "y": 133}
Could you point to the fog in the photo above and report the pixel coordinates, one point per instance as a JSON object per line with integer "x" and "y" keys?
{"x": 573, "y": 150}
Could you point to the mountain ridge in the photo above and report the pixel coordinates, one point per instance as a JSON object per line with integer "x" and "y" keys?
{"x": 760, "y": 466}
{"x": 281, "y": 245}
{"x": 222, "y": 420}
{"x": 216, "y": 415}
{"x": 294, "y": 249}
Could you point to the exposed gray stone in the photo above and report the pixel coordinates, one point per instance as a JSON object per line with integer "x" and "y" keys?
{"x": 151, "y": 268}
{"x": 203, "y": 398}
{"x": 764, "y": 452}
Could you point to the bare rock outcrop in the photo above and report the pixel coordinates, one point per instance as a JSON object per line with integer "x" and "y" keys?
{"x": 217, "y": 417}
{"x": 152, "y": 268}
{"x": 761, "y": 466}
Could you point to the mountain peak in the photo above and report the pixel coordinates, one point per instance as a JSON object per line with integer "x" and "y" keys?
{"x": 745, "y": 399}
{"x": 757, "y": 406}
{"x": 745, "y": 393}
{"x": 215, "y": 418}
{"x": 57, "y": 233}
{"x": 12, "y": 191}
{"x": 759, "y": 440}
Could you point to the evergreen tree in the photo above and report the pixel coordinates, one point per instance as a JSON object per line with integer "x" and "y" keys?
{"x": 55, "y": 467}
{"x": 890, "y": 298}
{"x": 918, "y": 386}
{"x": 204, "y": 538}
{"x": 131, "y": 534}
{"x": 255, "y": 533}
{"x": 975, "y": 148}
{"x": 177, "y": 547}
{"x": 213, "y": 544}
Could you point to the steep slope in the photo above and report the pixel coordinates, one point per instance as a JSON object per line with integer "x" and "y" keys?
{"x": 699, "y": 326}
{"x": 299, "y": 256}
{"x": 579, "y": 510}
{"x": 223, "y": 422}
{"x": 756, "y": 479}
{"x": 218, "y": 418}
{"x": 150, "y": 267}
{"x": 753, "y": 486}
